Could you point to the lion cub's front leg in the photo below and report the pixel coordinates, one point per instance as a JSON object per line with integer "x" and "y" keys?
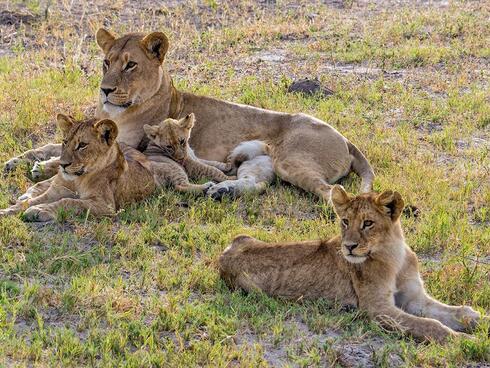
{"x": 199, "y": 170}
{"x": 48, "y": 211}
{"x": 413, "y": 298}
{"x": 378, "y": 302}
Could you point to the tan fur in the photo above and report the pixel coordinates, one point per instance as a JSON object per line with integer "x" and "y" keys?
{"x": 305, "y": 151}
{"x": 171, "y": 139}
{"x": 369, "y": 266}
{"x": 95, "y": 174}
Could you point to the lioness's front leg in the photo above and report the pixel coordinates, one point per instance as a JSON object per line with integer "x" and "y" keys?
{"x": 39, "y": 154}
{"x": 378, "y": 302}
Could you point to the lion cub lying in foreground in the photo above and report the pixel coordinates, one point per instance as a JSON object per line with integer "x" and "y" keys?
{"x": 369, "y": 266}
{"x": 95, "y": 174}
{"x": 170, "y": 139}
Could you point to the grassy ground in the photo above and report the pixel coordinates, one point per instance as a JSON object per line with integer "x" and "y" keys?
{"x": 411, "y": 90}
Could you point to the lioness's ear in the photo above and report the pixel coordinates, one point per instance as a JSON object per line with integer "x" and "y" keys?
{"x": 65, "y": 123}
{"x": 107, "y": 131}
{"x": 105, "y": 39}
{"x": 339, "y": 197}
{"x": 156, "y": 44}
{"x": 188, "y": 121}
{"x": 392, "y": 203}
{"x": 150, "y": 129}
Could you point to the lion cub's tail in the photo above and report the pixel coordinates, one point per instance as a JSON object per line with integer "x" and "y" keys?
{"x": 246, "y": 151}
{"x": 360, "y": 165}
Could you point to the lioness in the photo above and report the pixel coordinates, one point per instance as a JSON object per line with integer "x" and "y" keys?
{"x": 95, "y": 174}
{"x": 369, "y": 266}
{"x": 136, "y": 89}
{"x": 170, "y": 138}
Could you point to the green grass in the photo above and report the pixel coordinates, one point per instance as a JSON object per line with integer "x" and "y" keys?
{"x": 143, "y": 289}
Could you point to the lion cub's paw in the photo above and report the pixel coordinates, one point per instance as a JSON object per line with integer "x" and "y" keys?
{"x": 38, "y": 214}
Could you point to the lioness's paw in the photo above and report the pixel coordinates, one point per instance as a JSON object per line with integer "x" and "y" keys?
{"x": 11, "y": 164}
{"x": 37, "y": 171}
{"x": 38, "y": 214}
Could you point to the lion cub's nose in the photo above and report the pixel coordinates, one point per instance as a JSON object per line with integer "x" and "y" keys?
{"x": 350, "y": 247}
{"x": 107, "y": 91}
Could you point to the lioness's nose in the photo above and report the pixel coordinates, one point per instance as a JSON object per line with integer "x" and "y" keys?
{"x": 107, "y": 91}
{"x": 350, "y": 247}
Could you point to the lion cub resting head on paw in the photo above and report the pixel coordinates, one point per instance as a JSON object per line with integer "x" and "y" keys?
{"x": 95, "y": 174}
{"x": 170, "y": 138}
{"x": 369, "y": 266}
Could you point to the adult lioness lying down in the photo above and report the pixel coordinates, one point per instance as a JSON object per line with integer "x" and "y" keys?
{"x": 136, "y": 89}
{"x": 369, "y": 266}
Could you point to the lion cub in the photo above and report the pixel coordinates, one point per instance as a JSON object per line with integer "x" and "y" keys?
{"x": 369, "y": 266}
{"x": 95, "y": 174}
{"x": 171, "y": 139}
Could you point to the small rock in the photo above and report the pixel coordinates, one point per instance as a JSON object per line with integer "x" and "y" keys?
{"x": 310, "y": 87}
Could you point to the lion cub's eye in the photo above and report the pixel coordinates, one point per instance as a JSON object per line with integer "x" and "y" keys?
{"x": 182, "y": 142}
{"x": 170, "y": 148}
{"x": 130, "y": 65}
{"x": 367, "y": 223}
{"x": 106, "y": 63}
{"x": 81, "y": 146}
{"x": 345, "y": 222}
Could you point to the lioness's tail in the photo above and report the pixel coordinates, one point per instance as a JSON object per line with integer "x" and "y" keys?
{"x": 360, "y": 165}
{"x": 246, "y": 151}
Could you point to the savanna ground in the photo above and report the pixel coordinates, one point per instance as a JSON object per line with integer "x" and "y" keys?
{"x": 411, "y": 89}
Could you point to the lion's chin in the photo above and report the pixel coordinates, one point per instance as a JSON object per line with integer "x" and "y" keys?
{"x": 355, "y": 259}
{"x": 114, "y": 110}
{"x": 68, "y": 177}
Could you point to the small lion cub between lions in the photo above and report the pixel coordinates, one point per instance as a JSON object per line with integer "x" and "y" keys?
{"x": 368, "y": 266}
{"x": 170, "y": 139}
{"x": 95, "y": 174}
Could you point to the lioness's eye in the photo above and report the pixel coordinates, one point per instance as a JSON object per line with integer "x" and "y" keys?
{"x": 345, "y": 222}
{"x": 81, "y": 145}
{"x": 367, "y": 223}
{"x": 182, "y": 142}
{"x": 130, "y": 65}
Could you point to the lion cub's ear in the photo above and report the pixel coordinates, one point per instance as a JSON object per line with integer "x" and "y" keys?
{"x": 339, "y": 197}
{"x": 188, "y": 121}
{"x": 65, "y": 123}
{"x": 156, "y": 44}
{"x": 391, "y": 203}
{"x": 105, "y": 39}
{"x": 107, "y": 130}
{"x": 150, "y": 130}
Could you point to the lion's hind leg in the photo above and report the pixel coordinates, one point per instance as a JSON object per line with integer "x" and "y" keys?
{"x": 307, "y": 178}
{"x": 232, "y": 262}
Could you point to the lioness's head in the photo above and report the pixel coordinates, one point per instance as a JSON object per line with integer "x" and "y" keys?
{"x": 172, "y": 136}
{"x": 369, "y": 222}
{"x": 132, "y": 68}
{"x": 86, "y": 144}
